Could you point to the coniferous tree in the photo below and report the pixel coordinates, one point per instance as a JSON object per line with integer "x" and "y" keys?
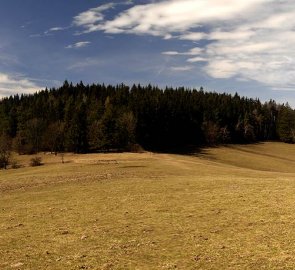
{"x": 286, "y": 124}
{"x": 5, "y": 151}
{"x": 85, "y": 118}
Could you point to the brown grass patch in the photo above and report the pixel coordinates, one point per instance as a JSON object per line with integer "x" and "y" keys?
{"x": 230, "y": 208}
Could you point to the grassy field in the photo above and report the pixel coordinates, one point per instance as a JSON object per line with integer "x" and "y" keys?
{"x": 224, "y": 208}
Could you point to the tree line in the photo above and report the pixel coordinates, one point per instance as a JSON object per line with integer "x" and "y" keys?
{"x": 91, "y": 118}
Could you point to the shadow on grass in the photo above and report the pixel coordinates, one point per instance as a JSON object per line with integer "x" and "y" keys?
{"x": 191, "y": 150}
{"x": 199, "y": 150}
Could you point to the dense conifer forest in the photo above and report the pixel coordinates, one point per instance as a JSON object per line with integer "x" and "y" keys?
{"x": 91, "y": 118}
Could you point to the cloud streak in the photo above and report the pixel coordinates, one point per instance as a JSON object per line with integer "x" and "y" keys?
{"x": 78, "y": 45}
{"x": 86, "y": 63}
{"x": 246, "y": 40}
{"x": 181, "y": 68}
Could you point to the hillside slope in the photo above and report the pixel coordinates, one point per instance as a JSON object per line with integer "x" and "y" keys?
{"x": 224, "y": 208}
{"x": 268, "y": 156}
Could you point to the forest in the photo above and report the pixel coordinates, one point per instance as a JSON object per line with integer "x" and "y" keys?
{"x": 98, "y": 118}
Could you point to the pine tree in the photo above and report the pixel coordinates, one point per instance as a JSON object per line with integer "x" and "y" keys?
{"x": 286, "y": 124}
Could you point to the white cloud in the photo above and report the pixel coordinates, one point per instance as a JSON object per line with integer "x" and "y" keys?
{"x": 166, "y": 17}
{"x": 181, "y": 68}
{"x": 57, "y": 28}
{"x": 193, "y": 51}
{"x": 233, "y": 35}
{"x": 91, "y": 16}
{"x": 197, "y": 59}
{"x": 50, "y": 31}
{"x": 78, "y": 45}
{"x": 171, "y": 53}
{"x": 247, "y": 40}
{"x": 12, "y": 84}
{"x": 193, "y": 36}
{"x": 88, "y": 62}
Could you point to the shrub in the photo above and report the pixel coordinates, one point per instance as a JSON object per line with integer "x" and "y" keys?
{"x": 36, "y": 161}
{"x": 15, "y": 164}
{"x": 135, "y": 148}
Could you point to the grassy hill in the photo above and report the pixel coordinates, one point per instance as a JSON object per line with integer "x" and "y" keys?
{"x": 224, "y": 208}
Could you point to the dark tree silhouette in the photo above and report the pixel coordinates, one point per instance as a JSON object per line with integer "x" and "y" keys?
{"x": 83, "y": 118}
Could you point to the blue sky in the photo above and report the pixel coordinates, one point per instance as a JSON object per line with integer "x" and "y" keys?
{"x": 222, "y": 45}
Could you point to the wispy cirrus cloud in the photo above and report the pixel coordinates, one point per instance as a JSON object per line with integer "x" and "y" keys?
{"x": 246, "y": 40}
{"x": 182, "y": 68}
{"x": 80, "y": 44}
{"x": 91, "y": 17}
{"x": 193, "y": 51}
{"x": 50, "y": 31}
{"x": 81, "y": 65}
{"x": 165, "y": 17}
{"x": 56, "y": 29}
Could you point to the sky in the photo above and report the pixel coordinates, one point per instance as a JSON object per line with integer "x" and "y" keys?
{"x": 222, "y": 45}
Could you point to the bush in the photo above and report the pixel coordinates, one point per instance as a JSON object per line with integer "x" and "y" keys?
{"x": 135, "y": 148}
{"x": 36, "y": 161}
{"x": 15, "y": 164}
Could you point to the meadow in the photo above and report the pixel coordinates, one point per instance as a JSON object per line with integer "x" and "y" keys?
{"x": 229, "y": 207}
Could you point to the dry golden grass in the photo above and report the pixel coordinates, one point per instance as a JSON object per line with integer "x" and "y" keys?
{"x": 226, "y": 208}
